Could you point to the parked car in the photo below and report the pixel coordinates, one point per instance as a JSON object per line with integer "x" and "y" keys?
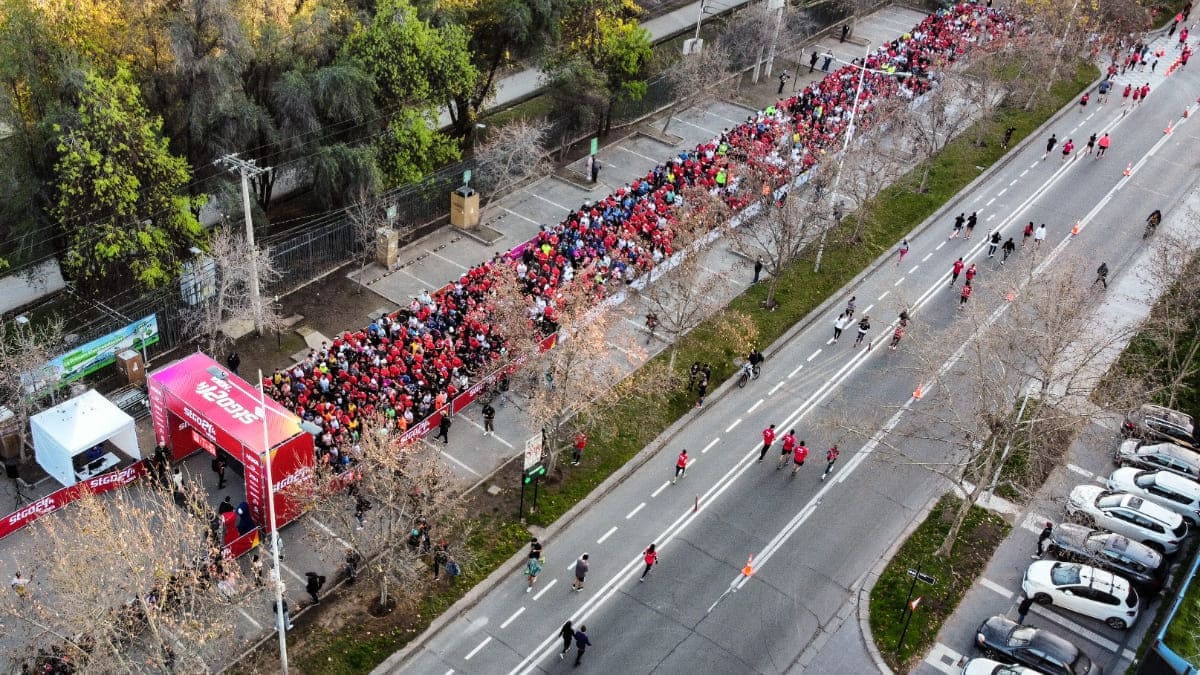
{"x": 1083, "y": 589}
{"x": 1108, "y": 550}
{"x": 1164, "y": 456}
{"x": 1156, "y": 423}
{"x": 1169, "y": 490}
{"x": 1130, "y": 515}
{"x": 982, "y": 666}
{"x": 1002, "y": 638}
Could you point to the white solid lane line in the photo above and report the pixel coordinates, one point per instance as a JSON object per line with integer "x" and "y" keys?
{"x": 760, "y": 402}
{"x": 731, "y": 426}
{"x": 635, "y": 510}
{"x": 660, "y": 489}
{"x": 519, "y": 612}
{"x": 607, "y": 534}
{"x": 478, "y": 647}
{"x": 814, "y": 355}
{"x": 709, "y": 446}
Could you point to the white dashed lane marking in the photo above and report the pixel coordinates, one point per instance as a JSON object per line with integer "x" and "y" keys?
{"x": 607, "y": 534}
{"x": 539, "y": 594}
{"x": 927, "y": 256}
{"x": 519, "y": 612}
{"x": 810, "y": 358}
{"x": 995, "y": 587}
{"x": 660, "y": 489}
{"x": 752, "y": 408}
{"x": 635, "y": 510}
{"x": 471, "y": 654}
{"x": 709, "y": 446}
{"x": 731, "y": 426}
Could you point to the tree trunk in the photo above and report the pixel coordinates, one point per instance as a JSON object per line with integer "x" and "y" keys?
{"x": 924, "y": 186}
{"x": 964, "y": 509}
{"x": 769, "y": 302}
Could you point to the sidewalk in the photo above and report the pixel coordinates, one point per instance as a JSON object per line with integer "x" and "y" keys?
{"x": 1127, "y": 303}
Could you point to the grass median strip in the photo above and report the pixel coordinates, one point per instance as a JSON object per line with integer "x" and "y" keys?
{"x": 622, "y": 431}
{"x": 943, "y": 582}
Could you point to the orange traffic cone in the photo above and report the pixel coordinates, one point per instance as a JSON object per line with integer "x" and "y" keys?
{"x": 1167, "y": 131}
{"x": 749, "y": 568}
{"x": 1075, "y": 229}
{"x": 1129, "y": 169}
{"x": 918, "y": 393}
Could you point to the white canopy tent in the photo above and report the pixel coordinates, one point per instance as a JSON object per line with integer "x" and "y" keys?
{"x": 74, "y": 426}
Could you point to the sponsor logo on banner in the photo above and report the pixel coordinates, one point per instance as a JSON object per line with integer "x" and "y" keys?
{"x": 60, "y": 498}
{"x": 301, "y": 475}
{"x": 113, "y": 479}
{"x": 200, "y": 423}
{"x": 418, "y": 430}
{"x": 39, "y": 507}
{"x": 217, "y": 391}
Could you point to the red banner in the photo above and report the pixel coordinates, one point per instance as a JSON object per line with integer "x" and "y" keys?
{"x": 56, "y": 500}
{"x": 242, "y": 545}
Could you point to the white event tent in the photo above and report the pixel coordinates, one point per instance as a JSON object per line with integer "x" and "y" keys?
{"x": 72, "y": 427}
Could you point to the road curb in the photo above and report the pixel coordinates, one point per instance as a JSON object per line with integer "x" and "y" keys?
{"x": 872, "y": 577}
{"x": 512, "y": 565}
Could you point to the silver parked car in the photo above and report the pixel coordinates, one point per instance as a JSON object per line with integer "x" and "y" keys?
{"x": 1162, "y": 456}
{"x": 1156, "y": 423}
{"x": 1107, "y": 550}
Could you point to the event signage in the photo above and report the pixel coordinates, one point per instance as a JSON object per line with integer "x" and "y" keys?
{"x": 88, "y": 358}
{"x": 60, "y": 498}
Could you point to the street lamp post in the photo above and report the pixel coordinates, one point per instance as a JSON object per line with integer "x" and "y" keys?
{"x": 281, "y": 619}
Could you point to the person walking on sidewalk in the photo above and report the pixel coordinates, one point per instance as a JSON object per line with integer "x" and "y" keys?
{"x": 798, "y": 457}
{"x": 956, "y": 270}
{"x": 650, "y": 557}
{"x": 993, "y": 244}
{"x": 489, "y": 419}
{"x": 681, "y": 463}
{"x": 567, "y": 633}
{"x": 783, "y": 78}
{"x": 863, "y": 327}
{"x": 839, "y": 324}
{"x": 701, "y": 390}
{"x": 1102, "y": 275}
{"x": 768, "y": 436}
{"x": 812, "y": 61}
{"x": 581, "y": 440}
{"x": 788, "y": 447}
{"x": 1047, "y": 531}
{"x": 582, "y": 642}
{"x": 443, "y": 430}
{"x": 1009, "y": 247}
{"x": 830, "y": 457}
{"x": 581, "y": 570}
{"x": 828, "y": 59}
{"x": 758, "y": 268}
{"x": 1023, "y": 608}
{"x": 1008, "y": 134}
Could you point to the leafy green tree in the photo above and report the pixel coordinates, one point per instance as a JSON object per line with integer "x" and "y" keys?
{"x": 624, "y": 56}
{"x": 121, "y": 201}
{"x": 580, "y": 94}
{"x": 410, "y": 148}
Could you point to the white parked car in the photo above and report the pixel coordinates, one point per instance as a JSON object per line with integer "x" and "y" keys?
{"x": 982, "y": 666}
{"x": 1129, "y": 515}
{"x": 1084, "y": 589}
{"x": 1168, "y": 490}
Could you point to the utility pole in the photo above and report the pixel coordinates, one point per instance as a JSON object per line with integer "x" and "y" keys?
{"x": 248, "y": 169}
{"x": 778, "y": 6}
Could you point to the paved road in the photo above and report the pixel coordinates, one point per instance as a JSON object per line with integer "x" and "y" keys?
{"x": 811, "y": 541}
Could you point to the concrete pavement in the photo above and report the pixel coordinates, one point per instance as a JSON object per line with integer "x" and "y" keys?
{"x": 697, "y": 611}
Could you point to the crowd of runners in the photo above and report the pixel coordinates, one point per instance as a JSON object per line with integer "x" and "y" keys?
{"x": 405, "y": 366}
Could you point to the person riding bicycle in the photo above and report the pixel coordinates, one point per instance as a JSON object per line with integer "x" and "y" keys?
{"x": 755, "y": 359}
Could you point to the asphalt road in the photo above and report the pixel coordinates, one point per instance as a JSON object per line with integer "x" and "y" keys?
{"x": 811, "y": 540}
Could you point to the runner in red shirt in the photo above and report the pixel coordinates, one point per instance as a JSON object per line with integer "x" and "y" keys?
{"x": 650, "y": 557}
{"x": 1103, "y": 144}
{"x": 1067, "y": 148}
{"x": 971, "y": 272}
{"x": 830, "y": 458}
{"x": 966, "y": 294}
{"x": 681, "y": 463}
{"x": 789, "y": 446}
{"x": 798, "y": 458}
{"x": 768, "y": 439}
{"x": 956, "y": 270}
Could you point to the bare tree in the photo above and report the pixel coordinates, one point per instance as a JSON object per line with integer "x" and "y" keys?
{"x": 580, "y": 376}
{"x": 128, "y": 582}
{"x": 511, "y": 155}
{"x": 681, "y": 291}
{"x": 696, "y": 77}
{"x": 1031, "y": 353}
{"x": 945, "y": 113}
{"x": 366, "y": 218}
{"x": 780, "y": 233}
{"x": 874, "y": 160}
{"x": 25, "y": 353}
{"x": 412, "y": 503}
{"x": 231, "y": 303}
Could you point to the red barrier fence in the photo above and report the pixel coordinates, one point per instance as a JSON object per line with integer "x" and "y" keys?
{"x": 60, "y": 498}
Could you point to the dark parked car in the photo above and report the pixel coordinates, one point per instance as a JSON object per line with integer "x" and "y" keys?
{"x": 1156, "y": 423}
{"x": 1114, "y": 552}
{"x": 1002, "y": 638}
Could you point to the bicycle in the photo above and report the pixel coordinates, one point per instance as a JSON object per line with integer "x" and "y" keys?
{"x": 748, "y": 372}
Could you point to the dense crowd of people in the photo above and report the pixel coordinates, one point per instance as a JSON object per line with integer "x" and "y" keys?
{"x": 405, "y": 366}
